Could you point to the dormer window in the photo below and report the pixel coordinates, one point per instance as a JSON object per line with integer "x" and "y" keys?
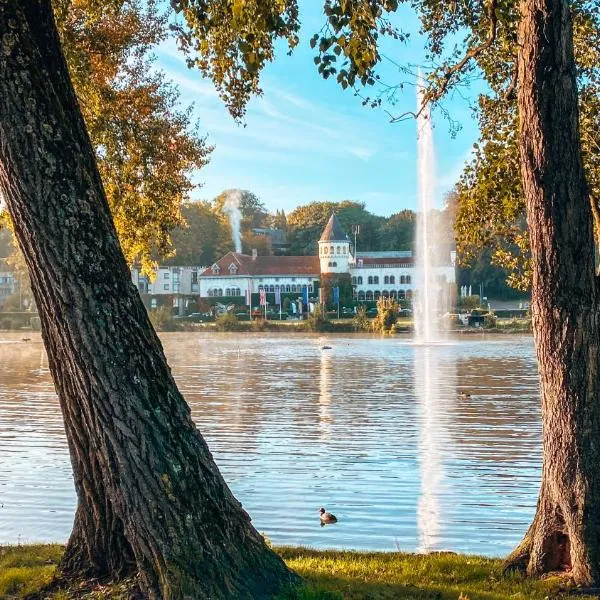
{"x": 233, "y": 269}
{"x": 216, "y": 269}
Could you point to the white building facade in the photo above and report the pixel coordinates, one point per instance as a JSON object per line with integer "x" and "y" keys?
{"x": 8, "y": 282}
{"x": 373, "y": 274}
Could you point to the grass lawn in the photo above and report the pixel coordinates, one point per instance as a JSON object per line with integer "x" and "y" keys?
{"x": 328, "y": 575}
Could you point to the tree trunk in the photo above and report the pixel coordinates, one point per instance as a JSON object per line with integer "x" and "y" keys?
{"x": 565, "y": 533}
{"x": 150, "y": 497}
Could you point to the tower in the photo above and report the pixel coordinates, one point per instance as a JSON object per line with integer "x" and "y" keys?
{"x": 334, "y": 248}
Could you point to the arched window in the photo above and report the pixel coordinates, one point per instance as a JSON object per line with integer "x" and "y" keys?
{"x": 338, "y": 250}
{"x": 370, "y": 280}
{"x": 361, "y": 296}
{"x": 215, "y": 269}
{"x": 331, "y": 250}
{"x": 293, "y": 287}
{"x": 369, "y": 295}
{"x": 409, "y": 295}
{"x": 353, "y": 280}
{"x": 376, "y": 279}
{"x": 310, "y": 288}
{"x": 210, "y": 293}
{"x": 272, "y": 289}
{"x": 385, "y": 294}
{"x": 386, "y": 280}
{"x": 377, "y": 294}
{"x": 228, "y": 292}
{"x": 408, "y": 279}
{"x": 401, "y": 295}
{"x": 220, "y": 292}
{"x": 360, "y": 281}
{"x": 393, "y": 294}
{"x": 287, "y": 288}
{"x": 325, "y": 250}
{"x": 402, "y": 279}
{"x": 233, "y": 269}
{"x": 334, "y": 264}
{"x": 392, "y": 279}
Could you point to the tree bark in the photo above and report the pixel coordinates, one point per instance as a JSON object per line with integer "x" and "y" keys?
{"x": 565, "y": 533}
{"x": 150, "y": 497}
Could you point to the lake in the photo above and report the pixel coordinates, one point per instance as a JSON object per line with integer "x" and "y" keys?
{"x": 413, "y": 448}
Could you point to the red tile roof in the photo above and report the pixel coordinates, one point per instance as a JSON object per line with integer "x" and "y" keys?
{"x": 266, "y": 265}
{"x": 395, "y": 261}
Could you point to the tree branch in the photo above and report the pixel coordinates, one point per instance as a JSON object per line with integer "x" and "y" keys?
{"x": 433, "y": 95}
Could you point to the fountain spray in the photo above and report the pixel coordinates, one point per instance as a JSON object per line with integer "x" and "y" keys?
{"x": 426, "y": 312}
{"x": 232, "y": 209}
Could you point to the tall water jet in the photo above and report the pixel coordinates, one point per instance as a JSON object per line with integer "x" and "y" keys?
{"x": 231, "y": 208}
{"x": 426, "y": 305}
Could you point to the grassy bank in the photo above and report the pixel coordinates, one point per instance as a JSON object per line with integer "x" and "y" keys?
{"x": 328, "y": 575}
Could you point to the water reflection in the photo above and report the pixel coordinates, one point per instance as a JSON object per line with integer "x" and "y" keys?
{"x": 294, "y": 427}
{"x": 435, "y": 386}
{"x": 325, "y": 393}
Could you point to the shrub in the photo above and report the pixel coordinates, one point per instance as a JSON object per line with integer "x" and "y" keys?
{"x": 490, "y": 320}
{"x": 360, "y": 321}
{"x": 318, "y": 321}
{"x": 387, "y": 315}
{"x": 6, "y": 323}
{"x": 162, "y": 319}
{"x": 227, "y": 322}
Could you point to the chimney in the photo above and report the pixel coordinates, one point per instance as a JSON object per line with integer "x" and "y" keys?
{"x": 254, "y": 253}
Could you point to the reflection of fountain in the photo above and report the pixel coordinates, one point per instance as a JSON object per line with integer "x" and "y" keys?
{"x": 434, "y": 379}
{"x": 43, "y": 369}
{"x": 426, "y": 303}
{"x": 325, "y": 392}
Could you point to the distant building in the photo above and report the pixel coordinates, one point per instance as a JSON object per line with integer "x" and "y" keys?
{"x": 373, "y": 274}
{"x": 8, "y": 282}
{"x": 172, "y": 281}
{"x": 235, "y": 273}
{"x": 276, "y": 239}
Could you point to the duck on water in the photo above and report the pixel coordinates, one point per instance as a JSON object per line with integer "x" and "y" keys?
{"x": 326, "y": 517}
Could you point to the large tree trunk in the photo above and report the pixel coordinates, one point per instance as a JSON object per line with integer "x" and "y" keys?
{"x": 565, "y": 533}
{"x": 150, "y": 497}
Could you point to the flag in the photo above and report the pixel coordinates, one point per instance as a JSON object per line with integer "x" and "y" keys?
{"x": 336, "y": 295}
{"x": 305, "y": 295}
{"x": 263, "y": 297}
{"x": 277, "y": 296}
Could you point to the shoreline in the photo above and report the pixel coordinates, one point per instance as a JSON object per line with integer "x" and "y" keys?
{"x": 326, "y": 574}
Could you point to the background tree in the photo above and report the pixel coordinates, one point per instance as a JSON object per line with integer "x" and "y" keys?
{"x": 398, "y": 231}
{"x": 254, "y": 212}
{"x": 146, "y": 147}
{"x": 306, "y": 224}
{"x": 203, "y": 239}
{"x": 524, "y": 47}
{"x": 490, "y": 198}
{"x": 150, "y": 497}
{"x": 278, "y": 220}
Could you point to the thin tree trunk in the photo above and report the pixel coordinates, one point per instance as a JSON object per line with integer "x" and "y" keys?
{"x": 150, "y": 497}
{"x": 565, "y": 533}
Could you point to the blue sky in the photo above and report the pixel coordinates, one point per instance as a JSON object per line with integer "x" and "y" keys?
{"x": 306, "y": 139}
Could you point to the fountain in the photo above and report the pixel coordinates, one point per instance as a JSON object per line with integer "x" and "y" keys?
{"x": 426, "y": 305}
{"x": 433, "y": 371}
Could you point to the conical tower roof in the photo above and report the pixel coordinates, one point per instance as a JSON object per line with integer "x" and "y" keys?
{"x": 333, "y": 231}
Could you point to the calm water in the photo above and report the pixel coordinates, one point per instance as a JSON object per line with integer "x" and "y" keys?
{"x": 411, "y": 447}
